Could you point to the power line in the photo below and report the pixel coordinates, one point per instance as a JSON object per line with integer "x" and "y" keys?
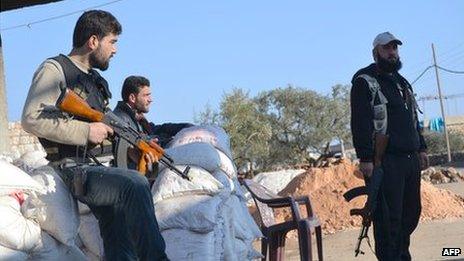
{"x": 450, "y": 71}
{"x": 57, "y": 17}
{"x": 447, "y": 52}
{"x": 456, "y": 60}
{"x": 423, "y": 72}
{"x": 436, "y": 97}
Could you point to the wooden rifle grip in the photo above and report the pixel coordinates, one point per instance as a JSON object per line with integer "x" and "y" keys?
{"x": 142, "y": 167}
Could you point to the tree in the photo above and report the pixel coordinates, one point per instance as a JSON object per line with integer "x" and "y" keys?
{"x": 249, "y": 133}
{"x": 208, "y": 117}
{"x": 281, "y": 127}
{"x": 436, "y": 143}
{"x": 303, "y": 121}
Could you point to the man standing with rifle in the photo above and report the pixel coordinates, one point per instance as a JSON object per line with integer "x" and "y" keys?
{"x": 382, "y": 102}
{"x": 119, "y": 198}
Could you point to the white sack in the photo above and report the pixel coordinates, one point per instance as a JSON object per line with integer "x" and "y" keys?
{"x": 244, "y": 225}
{"x": 31, "y": 160}
{"x": 7, "y": 254}
{"x": 33, "y": 208}
{"x": 12, "y": 178}
{"x": 227, "y": 165}
{"x": 61, "y": 219}
{"x": 16, "y": 232}
{"x": 198, "y": 154}
{"x": 90, "y": 256}
{"x": 83, "y": 208}
{"x": 275, "y": 181}
{"x": 89, "y": 233}
{"x": 196, "y": 213}
{"x": 168, "y": 184}
{"x": 51, "y": 250}
{"x": 213, "y": 135}
{"x": 187, "y": 245}
{"x": 222, "y": 177}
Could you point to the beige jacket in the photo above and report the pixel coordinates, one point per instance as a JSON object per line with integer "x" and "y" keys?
{"x": 40, "y": 116}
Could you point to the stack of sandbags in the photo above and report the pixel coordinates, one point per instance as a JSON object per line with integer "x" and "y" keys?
{"x": 60, "y": 222}
{"x": 53, "y": 211}
{"x": 89, "y": 234}
{"x": 204, "y": 218}
{"x": 18, "y": 235}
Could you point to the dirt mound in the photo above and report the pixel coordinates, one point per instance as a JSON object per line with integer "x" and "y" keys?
{"x": 326, "y": 186}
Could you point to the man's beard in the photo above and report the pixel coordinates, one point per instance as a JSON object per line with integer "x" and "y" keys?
{"x": 97, "y": 61}
{"x": 388, "y": 66}
{"x": 140, "y": 109}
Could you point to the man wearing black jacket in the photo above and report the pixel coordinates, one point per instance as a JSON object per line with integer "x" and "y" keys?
{"x": 383, "y": 101}
{"x": 136, "y": 100}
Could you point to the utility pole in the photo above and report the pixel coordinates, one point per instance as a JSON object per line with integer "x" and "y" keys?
{"x": 4, "y": 133}
{"x": 441, "y": 104}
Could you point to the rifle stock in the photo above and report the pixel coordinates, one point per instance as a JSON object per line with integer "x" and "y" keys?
{"x": 72, "y": 103}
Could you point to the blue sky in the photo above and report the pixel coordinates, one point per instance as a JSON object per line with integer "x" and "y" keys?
{"x": 196, "y": 51}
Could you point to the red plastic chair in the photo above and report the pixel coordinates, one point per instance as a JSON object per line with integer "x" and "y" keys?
{"x": 274, "y": 234}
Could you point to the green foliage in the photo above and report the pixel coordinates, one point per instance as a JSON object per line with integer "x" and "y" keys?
{"x": 303, "y": 121}
{"x": 248, "y": 130}
{"x": 282, "y": 126}
{"x": 436, "y": 143}
{"x": 207, "y": 117}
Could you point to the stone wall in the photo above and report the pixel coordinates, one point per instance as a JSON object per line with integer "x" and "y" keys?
{"x": 21, "y": 141}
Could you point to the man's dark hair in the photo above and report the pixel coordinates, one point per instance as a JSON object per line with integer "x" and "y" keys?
{"x": 132, "y": 84}
{"x": 95, "y": 22}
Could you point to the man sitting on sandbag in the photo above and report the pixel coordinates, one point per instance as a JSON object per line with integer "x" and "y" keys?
{"x": 119, "y": 198}
{"x": 136, "y": 100}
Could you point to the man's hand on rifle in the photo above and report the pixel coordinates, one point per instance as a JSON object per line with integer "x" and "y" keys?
{"x": 98, "y": 131}
{"x": 366, "y": 168}
{"x": 150, "y": 159}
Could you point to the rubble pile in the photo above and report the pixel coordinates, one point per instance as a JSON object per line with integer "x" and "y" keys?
{"x": 441, "y": 175}
{"x": 326, "y": 186}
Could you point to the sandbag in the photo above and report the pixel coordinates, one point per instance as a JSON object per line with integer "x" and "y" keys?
{"x": 61, "y": 219}
{"x": 33, "y": 208}
{"x": 198, "y": 154}
{"x": 7, "y": 254}
{"x": 89, "y": 233}
{"x": 275, "y": 181}
{"x": 244, "y": 225}
{"x": 222, "y": 177}
{"x": 83, "y": 208}
{"x": 90, "y": 256}
{"x": 168, "y": 184}
{"x": 50, "y": 249}
{"x": 213, "y": 135}
{"x": 31, "y": 160}
{"x": 12, "y": 178}
{"x": 16, "y": 232}
{"x": 183, "y": 244}
{"x": 227, "y": 165}
{"x": 196, "y": 213}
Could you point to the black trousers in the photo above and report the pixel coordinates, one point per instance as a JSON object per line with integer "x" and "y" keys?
{"x": 399, "y": 208}
{"x": 121, "y": 201}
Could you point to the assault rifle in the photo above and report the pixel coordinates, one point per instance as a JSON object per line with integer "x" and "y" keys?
{"x": 71, "y": 103}
{"x": 371, "y": 190}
